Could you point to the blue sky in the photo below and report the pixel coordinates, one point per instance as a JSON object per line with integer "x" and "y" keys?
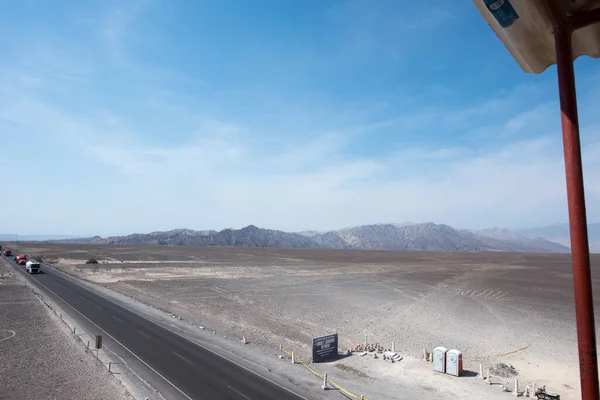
{"x": 134, "y": 116}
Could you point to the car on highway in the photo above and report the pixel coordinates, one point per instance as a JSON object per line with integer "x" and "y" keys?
{"x": 8, "y": 252}
{"x": 21, "y": 259}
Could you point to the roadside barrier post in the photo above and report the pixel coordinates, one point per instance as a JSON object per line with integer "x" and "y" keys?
{"x": 324, "y": 387}
{"x": 98, "y": 344}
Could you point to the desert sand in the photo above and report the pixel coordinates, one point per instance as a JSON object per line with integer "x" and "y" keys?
{"x": 484, "y": 304}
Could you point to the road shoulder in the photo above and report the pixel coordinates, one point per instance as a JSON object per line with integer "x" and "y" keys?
{"x": 40, "y": 358}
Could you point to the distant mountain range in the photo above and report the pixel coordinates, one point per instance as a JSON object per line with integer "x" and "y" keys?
{"x": 409, "y": 236}
{"x": 560, "y": 233}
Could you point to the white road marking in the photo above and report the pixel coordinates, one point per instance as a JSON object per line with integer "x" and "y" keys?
{"x": 121, "y": 344}
{"x": 225, "y": 358}
{"x": 8, "y": 337}
{"x": 162, "y": 326}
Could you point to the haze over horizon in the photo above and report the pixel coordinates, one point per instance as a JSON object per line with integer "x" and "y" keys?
{"x": 153, "y": 115}
{"x": 7, "y": 236}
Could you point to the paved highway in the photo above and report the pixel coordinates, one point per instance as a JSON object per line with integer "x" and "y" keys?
{"x": 193, "y": 371}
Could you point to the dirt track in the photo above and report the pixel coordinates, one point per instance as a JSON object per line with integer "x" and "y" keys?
{"x": 481, "y": 303}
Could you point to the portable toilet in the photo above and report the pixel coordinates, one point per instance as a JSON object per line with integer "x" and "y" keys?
{"x": 454, "y": 362}
{"x": 439, "y": 359}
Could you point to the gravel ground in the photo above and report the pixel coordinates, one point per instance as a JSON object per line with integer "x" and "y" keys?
{"x": 484, "y": 304}
{"x": 503, "y": 370}
{"x": 39, "y": 358}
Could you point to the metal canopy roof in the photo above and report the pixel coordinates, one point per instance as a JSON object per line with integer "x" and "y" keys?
{"x": 526, "y": 29}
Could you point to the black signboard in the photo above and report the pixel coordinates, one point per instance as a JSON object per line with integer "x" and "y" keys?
{"x": 325, "y": 348}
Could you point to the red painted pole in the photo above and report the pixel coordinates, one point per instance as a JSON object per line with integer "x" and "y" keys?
{"x": 580, "y": 252}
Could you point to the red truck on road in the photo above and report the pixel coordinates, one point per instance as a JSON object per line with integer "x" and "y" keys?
{"x": 21, "y": 259}
{"x": 8, "y": 252}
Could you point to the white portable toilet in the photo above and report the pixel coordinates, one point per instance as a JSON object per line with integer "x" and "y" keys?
{"x": 454, "y": 362}
{"x": 439, "y": 359}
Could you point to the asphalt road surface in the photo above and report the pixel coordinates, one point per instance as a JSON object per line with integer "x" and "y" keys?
{"x": 193, "y": 371}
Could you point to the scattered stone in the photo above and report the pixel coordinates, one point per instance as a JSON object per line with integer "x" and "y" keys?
{"x": 504, "y": 370}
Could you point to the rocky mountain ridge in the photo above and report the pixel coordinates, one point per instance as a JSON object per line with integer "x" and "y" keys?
{"x": 406, "y": 236}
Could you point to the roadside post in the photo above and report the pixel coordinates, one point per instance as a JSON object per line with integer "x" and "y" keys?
{"x": 98, "y": 344}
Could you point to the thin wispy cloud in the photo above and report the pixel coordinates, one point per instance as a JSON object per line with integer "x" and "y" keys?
{"x": 124, "y": 133}
{"x": 116, "y": 25}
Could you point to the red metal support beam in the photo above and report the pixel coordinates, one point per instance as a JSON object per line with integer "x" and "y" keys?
{"x": 584, "y": 18}
{"x": 580, "y": 254}
{"x": 559, "y": 18}
{"x": 555, "y": 13}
